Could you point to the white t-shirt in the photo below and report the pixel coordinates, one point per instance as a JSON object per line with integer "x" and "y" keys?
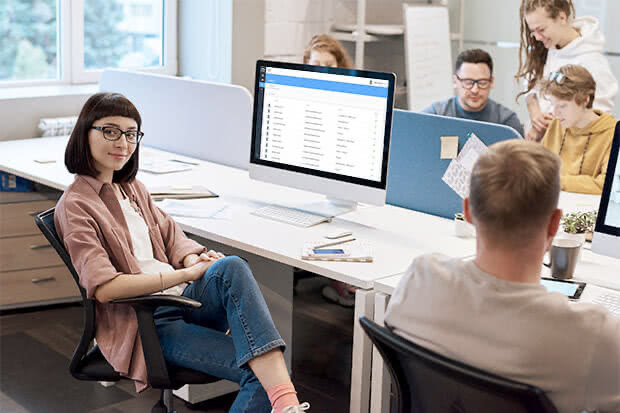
{"x": 143, "y": 249}
{"x": 516, "y": 330}
{"x": 587, "y": 51}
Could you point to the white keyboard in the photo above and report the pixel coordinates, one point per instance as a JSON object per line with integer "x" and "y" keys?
{"x": 290, "y": 216}
{"x": 610, "y": 301}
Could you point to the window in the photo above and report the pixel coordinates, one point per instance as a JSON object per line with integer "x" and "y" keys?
{"x": 28, "y": 40}
{"x": 72, "y": 41}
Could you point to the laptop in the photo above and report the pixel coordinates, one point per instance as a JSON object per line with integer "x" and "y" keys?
{"x": 608, "y": 298}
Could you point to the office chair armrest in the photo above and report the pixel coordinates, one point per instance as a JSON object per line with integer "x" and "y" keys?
{"x": 156, "y": 367}
{"x": 154, "y": 301}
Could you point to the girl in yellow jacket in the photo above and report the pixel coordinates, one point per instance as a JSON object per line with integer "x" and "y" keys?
{"x": 581, "y": 135}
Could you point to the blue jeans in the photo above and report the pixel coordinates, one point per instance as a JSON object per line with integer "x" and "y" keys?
{"x": 196, "y": 338}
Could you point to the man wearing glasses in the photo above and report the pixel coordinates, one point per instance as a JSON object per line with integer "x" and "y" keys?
{"x": 473, "y": 81}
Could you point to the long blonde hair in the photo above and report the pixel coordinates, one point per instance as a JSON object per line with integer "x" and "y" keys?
{"x": 532, "y": 53}
{"x": 327, "y": 43}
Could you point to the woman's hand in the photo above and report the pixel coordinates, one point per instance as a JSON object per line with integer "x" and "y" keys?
{"x": 540, "y": 122}
{"x": 197, "y": 270}
{"x": 211, "y": 255}
{"x": 192, "y": 259}
{"x": 533, "y": 135}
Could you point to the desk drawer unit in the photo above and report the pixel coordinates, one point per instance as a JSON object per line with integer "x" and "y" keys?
{"x": 34, "y": 287}
{"x": 24, "y": 253}
{"x": 17, "y": 219}
{"x": 31, "y": 272}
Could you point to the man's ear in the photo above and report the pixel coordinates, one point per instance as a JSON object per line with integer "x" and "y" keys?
{"x": 454, "y": 80}
{"x": 466, "y": 210}
{"x": 554, "y": 223}
{"x": 492, "y": 82}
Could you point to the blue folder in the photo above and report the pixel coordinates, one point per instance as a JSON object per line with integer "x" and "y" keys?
{"x": 415, "y": 168}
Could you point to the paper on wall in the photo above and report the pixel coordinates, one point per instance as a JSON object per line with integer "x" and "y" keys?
{"x": 457, "y": 177}
{"x": 459, "y": 171}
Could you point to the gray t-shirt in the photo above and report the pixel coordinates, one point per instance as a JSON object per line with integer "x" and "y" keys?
{"x": 515, "y": 330}
{"x": 493, "y": 112}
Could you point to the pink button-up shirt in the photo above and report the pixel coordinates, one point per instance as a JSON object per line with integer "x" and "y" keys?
{"x": 92, "y": 226}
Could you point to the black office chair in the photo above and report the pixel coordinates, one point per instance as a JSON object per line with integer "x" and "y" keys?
{"x": 91, "y": 365}
{"x": 426, "y": 382}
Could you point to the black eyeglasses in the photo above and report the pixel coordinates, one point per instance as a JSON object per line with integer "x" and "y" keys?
{"x": 112, "y": 133}
{"x": 469, "y": 83}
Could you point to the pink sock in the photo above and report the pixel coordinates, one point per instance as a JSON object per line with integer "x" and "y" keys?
{"x": 282, "y": 395}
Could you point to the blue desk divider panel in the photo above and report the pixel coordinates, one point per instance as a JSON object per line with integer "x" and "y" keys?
{"x": 415, "y": 169}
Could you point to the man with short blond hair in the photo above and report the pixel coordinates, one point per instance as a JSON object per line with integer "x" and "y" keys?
{"x": 505, "y": 185}
{"x": 492, "y": 312}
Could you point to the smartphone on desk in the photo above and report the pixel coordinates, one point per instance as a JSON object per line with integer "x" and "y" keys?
{"x": 329, "y": 252}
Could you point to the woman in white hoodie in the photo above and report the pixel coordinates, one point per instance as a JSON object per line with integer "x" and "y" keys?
{"x": 552, "y": 38}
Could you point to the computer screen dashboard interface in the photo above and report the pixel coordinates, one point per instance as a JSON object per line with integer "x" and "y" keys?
{"x": 607, "y": 230}
{"x": 325, "y": 122}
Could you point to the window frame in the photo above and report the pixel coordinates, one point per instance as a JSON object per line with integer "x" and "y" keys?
{"x": 70, "y": 35}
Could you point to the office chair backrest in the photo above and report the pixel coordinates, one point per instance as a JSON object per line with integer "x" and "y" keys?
{"x": 426, "y": 382}
{"x": 45, "y": 222}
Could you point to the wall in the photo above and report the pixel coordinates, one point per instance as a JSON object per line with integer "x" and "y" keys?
{"x": 274, "y": 30}
{"x": 205, "y": 39}
{"x": 289, "y": 26}
{"x": 19, "y": 117}
{"x": 248, "y": 40}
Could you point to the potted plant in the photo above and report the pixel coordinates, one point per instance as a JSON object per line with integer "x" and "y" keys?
{"x": 579, "y": 225}
{"x": 462, "y": 228}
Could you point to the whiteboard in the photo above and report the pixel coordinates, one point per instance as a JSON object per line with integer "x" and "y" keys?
{"x": 428, "y": 55}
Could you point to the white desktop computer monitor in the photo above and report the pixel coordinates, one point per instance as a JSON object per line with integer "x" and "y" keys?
{"x": 325, "y": 130}
{"x": 606, "y": 238}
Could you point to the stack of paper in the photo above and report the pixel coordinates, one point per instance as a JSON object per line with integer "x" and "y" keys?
{"x": 181, "y": 192}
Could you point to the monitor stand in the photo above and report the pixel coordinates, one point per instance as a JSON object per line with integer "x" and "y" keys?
{"x": 329, "y": 207}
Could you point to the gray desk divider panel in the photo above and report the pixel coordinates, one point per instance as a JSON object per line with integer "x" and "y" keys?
{"x": 415, "y": 169}
{"x": 205, "y": 120}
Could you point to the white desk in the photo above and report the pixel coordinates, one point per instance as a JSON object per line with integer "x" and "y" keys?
{"x": 572, "y": 202}
{"x": 396, "y": 235}
{"x": 592, "y": 268}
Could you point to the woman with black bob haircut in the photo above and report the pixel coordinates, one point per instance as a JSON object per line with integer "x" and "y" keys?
{"x": 78, "y": 158}
{"x": 122, "y": 245}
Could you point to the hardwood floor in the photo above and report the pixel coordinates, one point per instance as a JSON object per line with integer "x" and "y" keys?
{"x": 36, "y": 346}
